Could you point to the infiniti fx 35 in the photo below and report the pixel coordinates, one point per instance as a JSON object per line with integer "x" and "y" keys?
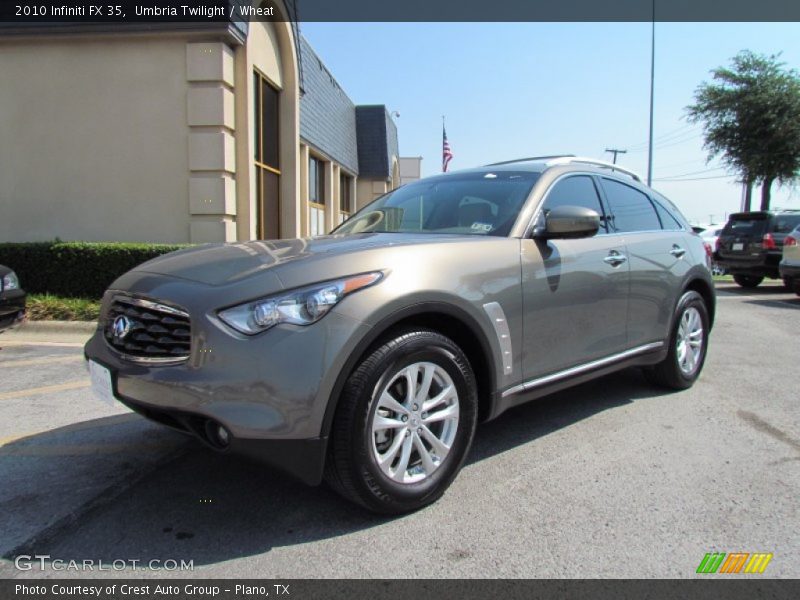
{"x": 367, "y": 357}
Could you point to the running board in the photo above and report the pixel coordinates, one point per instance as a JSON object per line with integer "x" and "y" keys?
{"x": 590, "y": 366}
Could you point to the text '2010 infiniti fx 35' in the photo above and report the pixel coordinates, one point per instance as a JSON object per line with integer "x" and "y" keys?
{"x": 367, "y": 357}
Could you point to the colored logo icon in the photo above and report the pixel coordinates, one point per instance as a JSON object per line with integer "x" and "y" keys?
{"x": 735, "y": 562}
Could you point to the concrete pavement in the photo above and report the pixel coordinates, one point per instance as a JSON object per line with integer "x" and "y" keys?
{"x": 610, "y": 479}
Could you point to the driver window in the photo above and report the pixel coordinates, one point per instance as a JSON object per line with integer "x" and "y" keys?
{"x": 578, "y": 190}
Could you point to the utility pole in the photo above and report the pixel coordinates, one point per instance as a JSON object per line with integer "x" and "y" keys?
{"x": 652, "y": 91}
{"x": 616, "y": 151}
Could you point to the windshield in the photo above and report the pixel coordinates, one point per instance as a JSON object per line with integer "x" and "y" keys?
{"x": 471, "y": 203}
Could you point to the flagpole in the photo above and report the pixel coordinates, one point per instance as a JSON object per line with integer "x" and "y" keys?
{"x": 444, "y": 167}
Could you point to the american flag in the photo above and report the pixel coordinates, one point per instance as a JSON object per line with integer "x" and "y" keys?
{"x": 447, "y": 154}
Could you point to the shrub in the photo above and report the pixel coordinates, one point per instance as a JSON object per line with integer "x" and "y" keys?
{"x": 75, "y": 269}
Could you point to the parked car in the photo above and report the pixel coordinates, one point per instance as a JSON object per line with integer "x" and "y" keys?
{"x": 790, "y": 264}
{"x": 709, "y": 234}
{"x": 367, "y": 357}
{"x": 751, "y": 244}
{"x": 12, "y": 299}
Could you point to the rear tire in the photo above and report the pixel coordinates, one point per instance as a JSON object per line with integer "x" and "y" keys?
{"x": 748, "y": 281}
{"x": 789, "y": 284}
{"x": 688, "y": 343}
{"x": 404, "y": 423}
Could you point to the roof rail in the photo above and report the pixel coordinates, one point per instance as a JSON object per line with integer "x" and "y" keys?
{"x": 528, "y": 159}
{"x": 565, "y": 160}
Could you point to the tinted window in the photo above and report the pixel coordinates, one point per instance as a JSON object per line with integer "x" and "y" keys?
{"x": 752, "y": 226}
{"x": 667, "y": 220}
{"x": 631, "y": 209}
{"x": 575, "y": 191}
{"x": 471, "y": 203}
{"x": 785, "y": 223}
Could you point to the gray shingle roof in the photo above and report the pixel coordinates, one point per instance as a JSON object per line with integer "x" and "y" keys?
{"x": 377, "y": 140}
{"x": 327, "y": 115}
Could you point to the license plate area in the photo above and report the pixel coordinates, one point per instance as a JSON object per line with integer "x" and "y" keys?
{"x": 737, "y": 246}
{"x": 100, "y": 378}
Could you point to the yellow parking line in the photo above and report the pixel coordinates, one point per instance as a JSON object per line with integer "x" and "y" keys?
{"x": 20, "y": 436}
{"x": 35, "y": 343}
{"x": 84, "y": 449}
{"x": 27, "y": 362}
{"x": 83, "y": 426}
{"x": 47, "y": 389}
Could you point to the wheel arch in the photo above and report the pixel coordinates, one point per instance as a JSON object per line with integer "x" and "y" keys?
{"x": 706, "y": 290}
{"x": 443, "y": 318}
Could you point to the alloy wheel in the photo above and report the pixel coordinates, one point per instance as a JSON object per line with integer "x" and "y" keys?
{"x": 690, "y": 340}
{"x": 415, "y": 422}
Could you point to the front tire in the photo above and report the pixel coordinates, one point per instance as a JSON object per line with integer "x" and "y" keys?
{"x": 404, "y": 423}
{"x": 688, "y": 343}
{"x": 748, "y": 281}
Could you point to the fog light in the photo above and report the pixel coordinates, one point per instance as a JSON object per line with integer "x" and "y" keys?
{"x": 223, "y": 436}
{"x": 216, "y": 435}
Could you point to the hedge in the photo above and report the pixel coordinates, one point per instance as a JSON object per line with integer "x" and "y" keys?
{"x": 75, "y": 269}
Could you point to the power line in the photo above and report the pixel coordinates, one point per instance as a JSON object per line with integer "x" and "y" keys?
{"x": 695, "y": 178}
{"x": 682, "y": 139}
{"x": 692, "y": 173}
{"x": 664, "y": 137}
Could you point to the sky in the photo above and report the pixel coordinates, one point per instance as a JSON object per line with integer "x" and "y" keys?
{"x": 511, "y": 90}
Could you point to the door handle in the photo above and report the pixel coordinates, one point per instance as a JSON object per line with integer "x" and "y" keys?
{"x": 615, "y": 259}
{"x": 677, "y": 251}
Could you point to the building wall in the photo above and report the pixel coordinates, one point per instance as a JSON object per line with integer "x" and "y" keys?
{"x": 269, "y": 50}
{"x": 410, "y": 169}
{"x": 87, "y": 150}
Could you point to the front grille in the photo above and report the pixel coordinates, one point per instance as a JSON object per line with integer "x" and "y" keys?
{"x": 146, "y": 331}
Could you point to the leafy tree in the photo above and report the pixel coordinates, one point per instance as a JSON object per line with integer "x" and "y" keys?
{"x": 751, "y": 118}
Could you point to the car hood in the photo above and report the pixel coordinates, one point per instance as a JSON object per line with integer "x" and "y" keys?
{"x": 220, "y": 264}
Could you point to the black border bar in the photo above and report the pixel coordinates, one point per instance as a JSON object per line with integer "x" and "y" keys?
{"x": 29, "y": 12}
{"x": 707, "y": 588}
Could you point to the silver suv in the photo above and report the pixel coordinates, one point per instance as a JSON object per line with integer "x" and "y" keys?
{"x": 368, "y": 356}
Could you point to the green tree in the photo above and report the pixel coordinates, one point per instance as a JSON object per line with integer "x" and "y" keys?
{"x": 750, "y": 114}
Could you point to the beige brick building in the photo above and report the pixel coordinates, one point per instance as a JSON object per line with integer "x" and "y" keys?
{"x": 180, "y": 134}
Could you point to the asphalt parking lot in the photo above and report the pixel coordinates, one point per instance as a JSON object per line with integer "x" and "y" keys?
{"x": 609, "y": 479}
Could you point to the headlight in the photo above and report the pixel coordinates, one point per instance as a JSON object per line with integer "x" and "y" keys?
{"x": 303, "y": 306}
{"x": 10, "y": 281}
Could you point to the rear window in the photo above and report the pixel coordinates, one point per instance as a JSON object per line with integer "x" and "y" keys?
{"x": 785, "y": 223}
{"x": 745, "y": 226}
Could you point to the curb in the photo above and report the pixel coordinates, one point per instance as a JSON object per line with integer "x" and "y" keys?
{"x": 40, "y": 327}
{"x": 49, "y": 332}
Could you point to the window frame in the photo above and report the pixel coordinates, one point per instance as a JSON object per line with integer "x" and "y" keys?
{"x": 604, "y": 220}
{"x": 316, "y": 205}
{"x": 259, "y": 80}
{"x": 345, "y": 183}
{"x": 613, "y": 216}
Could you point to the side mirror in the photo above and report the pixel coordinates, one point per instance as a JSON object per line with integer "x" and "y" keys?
{"x": 568, "y": 222}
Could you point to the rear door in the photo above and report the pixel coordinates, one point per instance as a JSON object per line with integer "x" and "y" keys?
{"x": 659, "y": 259}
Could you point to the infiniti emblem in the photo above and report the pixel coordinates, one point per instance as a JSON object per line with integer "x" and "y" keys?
{"x": 121, "y": 327}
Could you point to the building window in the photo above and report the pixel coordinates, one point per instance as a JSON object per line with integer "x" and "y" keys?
{"x": 266, "y": 158}
{"x": 345, "y": 197}
{"x": 316, "y": 196}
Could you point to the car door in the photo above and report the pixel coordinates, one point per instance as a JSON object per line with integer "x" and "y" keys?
{"x": 657, "y": 255}
{"x": 575, "y": 291}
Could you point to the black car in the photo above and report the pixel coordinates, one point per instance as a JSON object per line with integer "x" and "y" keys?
{"x": 751, "y": 244}
{"x": 12, "y": 299}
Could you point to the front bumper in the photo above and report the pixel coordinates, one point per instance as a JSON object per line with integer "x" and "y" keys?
{"x": 269, "y": 391}
{"x": 12, "y": 308}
